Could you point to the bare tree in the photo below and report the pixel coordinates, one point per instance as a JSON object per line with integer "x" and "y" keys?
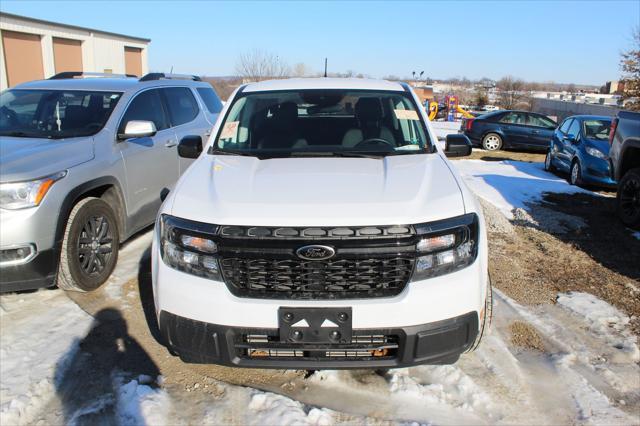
{"x": 259, "y": 65}
{"x": 300, "y": 70}
{"x": 511, "y": 92}
{"x": 630, "y": 64}
{"x": 480, "y": 97}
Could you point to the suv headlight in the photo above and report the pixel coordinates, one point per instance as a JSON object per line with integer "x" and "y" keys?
{"x": 189, "y": 246}
{"x": 22, "y": 195}
{"x": 446, "y": 246}
{"x": 595, "y": 152}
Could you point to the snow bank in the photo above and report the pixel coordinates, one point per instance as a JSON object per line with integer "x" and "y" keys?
{"x": 140, "y": 404}
{"x": 604, "y": 320}
{"x": 271, "y": 409}
{"x": 444, "y": 128}
{"x": 510, "y": 184}
{"x": 39, "y": 335}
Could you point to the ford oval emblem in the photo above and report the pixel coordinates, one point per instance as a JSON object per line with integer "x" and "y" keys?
{"x": 315, "y": 252}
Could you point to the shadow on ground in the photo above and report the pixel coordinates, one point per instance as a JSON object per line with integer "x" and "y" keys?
{"x": 604, "y": 238}
{"x": 88, "y": 380}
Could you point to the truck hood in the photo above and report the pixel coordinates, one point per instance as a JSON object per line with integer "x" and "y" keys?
{"x": 234, "y": 190}
{"x": 30, "y": 158}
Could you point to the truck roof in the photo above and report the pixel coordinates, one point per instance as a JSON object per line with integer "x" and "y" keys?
{"x": 324, "y": 83}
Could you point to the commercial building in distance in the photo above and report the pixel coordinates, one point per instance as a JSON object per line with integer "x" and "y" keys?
{"x": 33, "y": 49}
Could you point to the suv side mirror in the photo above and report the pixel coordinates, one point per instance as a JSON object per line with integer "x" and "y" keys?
{"x": 190, "y": 147}
{"x": 457, "y": 145}
{"x": 138, "y": 129}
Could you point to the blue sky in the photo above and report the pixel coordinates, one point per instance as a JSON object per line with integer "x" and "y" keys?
{"x": 576, "y": 42}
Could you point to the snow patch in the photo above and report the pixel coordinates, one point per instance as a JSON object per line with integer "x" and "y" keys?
{"x": 270, "y": 409}
{"x": 604, "y": 320}
{"x": 140, "y": 404}
{"x": 508, "y": 184}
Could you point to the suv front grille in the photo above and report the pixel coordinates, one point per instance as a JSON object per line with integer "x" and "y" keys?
{"x": 327, "y": 279}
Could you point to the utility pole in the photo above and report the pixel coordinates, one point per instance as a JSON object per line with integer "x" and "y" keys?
{"x": 325, "y": 67}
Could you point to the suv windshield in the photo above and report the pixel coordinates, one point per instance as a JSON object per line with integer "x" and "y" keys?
{"x": 54, "y": 114}
{"x": 322, "y": 123}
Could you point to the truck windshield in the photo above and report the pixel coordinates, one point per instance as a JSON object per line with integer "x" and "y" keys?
{"x": 322, "y": 123}
{"x": 54, "y": 114}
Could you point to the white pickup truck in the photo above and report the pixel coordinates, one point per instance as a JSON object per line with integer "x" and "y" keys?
{"x": 321, "y": 228}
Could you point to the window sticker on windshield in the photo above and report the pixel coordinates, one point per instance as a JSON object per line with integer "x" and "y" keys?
{"x": 230, "y": 130}
{"x": 406, "y": 114}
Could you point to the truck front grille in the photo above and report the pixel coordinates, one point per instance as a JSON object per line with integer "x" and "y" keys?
{"x": 338, "y": 278}
{"x": 363, "y": 346}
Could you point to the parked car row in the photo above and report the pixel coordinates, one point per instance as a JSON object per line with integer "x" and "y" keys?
{"x": 84, "y": 165}
{"x": 589, "y": 150}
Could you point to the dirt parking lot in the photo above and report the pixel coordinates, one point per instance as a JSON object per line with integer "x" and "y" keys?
{"x": 545, "y": 264}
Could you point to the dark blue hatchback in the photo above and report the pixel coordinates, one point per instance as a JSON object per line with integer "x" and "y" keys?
{"x": 510, "y": 129}
{"x": 580, "y": 147}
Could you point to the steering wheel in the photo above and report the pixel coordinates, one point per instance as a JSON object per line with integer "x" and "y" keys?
{"x": 375, "y": 142}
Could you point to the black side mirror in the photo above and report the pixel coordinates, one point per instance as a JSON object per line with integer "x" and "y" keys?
{"x": 457, "y": 145}
{"x": 190, "y": 147}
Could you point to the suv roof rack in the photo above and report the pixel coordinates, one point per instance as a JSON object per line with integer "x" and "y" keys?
{"x": 162, "y": 76}
{"x": 73, "y": 74}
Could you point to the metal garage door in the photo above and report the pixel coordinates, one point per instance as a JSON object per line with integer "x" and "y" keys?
{"x": 67, "y": 54}
{"x": 22, "y": 57}
{"x": 133, "y": 60}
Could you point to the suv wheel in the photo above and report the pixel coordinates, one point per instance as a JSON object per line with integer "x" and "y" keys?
{"x": 575, "y": 176}
{"x": 628, "y": 198}
{"x": 487, "y": 316}
{"x": 492, "y": 142}
{"x": 90, "y": 246}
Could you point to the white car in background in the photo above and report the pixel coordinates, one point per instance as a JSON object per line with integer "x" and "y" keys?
{"x": 322, "y": 228}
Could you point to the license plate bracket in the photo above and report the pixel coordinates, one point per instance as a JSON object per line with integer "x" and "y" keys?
{"x": 315, "y": 325}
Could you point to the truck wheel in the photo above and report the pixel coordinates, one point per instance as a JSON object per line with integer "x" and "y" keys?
{"x": 628, "y": 198}
{"x": 492, "y": 142}
{"x": 485, "y": 321}
{"x": 90, "y": 246}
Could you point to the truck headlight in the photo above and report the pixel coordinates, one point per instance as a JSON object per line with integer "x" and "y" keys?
{"x": 22, "y": 195}
{"x": 446, "y": 246}
{"x": 189, "y": 247}
{"x": 596, "y": 152}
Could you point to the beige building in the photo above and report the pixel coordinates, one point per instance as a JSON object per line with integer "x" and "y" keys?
{"x": 33, "y": 49}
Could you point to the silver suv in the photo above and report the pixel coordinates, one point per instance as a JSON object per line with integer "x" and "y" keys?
{"x": 84, "y": 164}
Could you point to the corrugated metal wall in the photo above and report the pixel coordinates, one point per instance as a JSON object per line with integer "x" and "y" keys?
{"x": 99, "y": 52}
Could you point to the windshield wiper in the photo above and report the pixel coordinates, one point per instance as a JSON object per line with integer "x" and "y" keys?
{"x": 213, "y": 151}
{"x": 334, "y": 154}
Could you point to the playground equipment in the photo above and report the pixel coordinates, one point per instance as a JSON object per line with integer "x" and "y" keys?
{"x": 433, "y": 110}
{"x": 451, "y": 107}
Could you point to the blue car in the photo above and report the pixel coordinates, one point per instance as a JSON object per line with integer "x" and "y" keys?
{"x": 510, "y": 129}
{"x": 580, "y": 147}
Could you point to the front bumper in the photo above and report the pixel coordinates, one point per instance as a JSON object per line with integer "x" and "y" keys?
{"x": 439, "y": 342}
{"x": 34, "y": 227}
{"x": 38, "y": 273}
{"x": 597, "y": 171}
